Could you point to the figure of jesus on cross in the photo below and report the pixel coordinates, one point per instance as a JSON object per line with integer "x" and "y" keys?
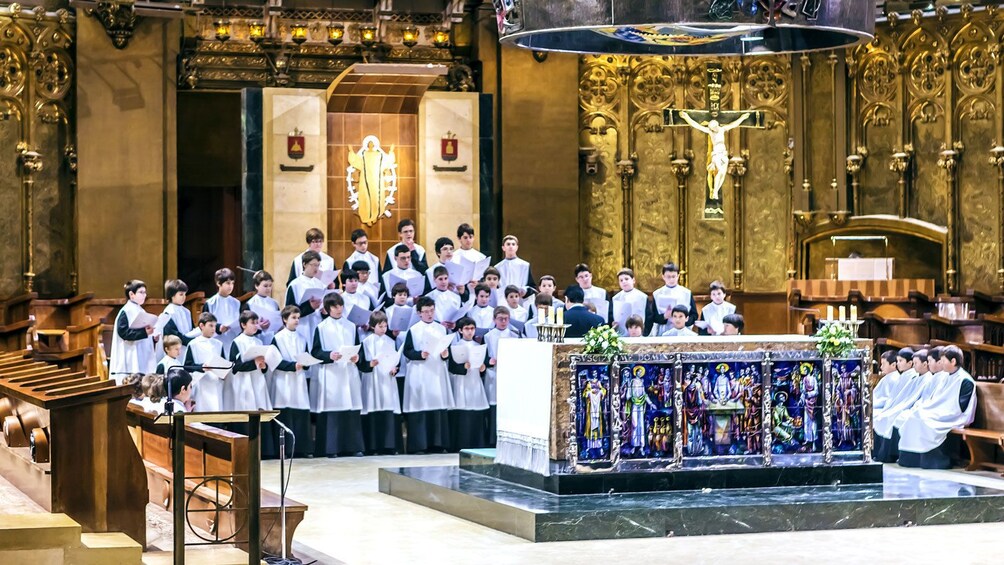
{"x": 710, "y": 123}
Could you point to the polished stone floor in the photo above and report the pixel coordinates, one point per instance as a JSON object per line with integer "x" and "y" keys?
{"x": 351, "y": 521}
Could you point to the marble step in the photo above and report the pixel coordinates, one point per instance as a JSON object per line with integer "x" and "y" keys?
{"x": 113, "y": 548}
{"x": 221, "y": 555}
{"x": 37, "y": 532}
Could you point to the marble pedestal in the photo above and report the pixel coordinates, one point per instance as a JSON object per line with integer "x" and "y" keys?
{"x": 901, "y": 499}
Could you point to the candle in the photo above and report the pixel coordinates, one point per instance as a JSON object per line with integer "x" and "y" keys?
{"x": 854, "y": 313}
{"x": 843, "y": 313}
{"x": 561, "y": 317}
{"x": 829, "y": 312}
{"x": 541, "y": 313}
{"x": 551, "y": 313}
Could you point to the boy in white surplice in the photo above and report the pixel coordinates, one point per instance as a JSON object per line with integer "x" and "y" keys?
{"x": 132, "y": 348}
{"x": 336, "y": 397}
{"x": 288, "y": 385}
{"x": 202, "y": 350}
{"x": 378, "y": 362}
{"x": 467, "y": 363}
{"x": 427, "y": 393}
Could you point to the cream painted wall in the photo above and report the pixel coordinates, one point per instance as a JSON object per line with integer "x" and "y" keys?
{"x": 447, "y": 199}
{"x": 292, "y": 202}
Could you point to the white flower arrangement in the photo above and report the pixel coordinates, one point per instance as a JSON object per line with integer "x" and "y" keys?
{"x": 603, "y": 340}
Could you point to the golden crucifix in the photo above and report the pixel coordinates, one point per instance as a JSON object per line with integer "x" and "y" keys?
{"x": 714, "y": 122}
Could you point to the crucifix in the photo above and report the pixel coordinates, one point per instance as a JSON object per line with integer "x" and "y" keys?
{"x": 714, "y": 122}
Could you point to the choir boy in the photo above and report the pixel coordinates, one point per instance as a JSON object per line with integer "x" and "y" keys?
{"x": 545, "y": 286}
{"x": 890, "y": 384}
{"x": 262, "y": 300}
{"x": 288, "y": 385}
{"x": 513, "y": 270}
{"x": 179, "y": 318}
{"x": 733, "y": 324}
{"x": 593, "y": 294}
{"x": 402, "y": 267}
{"x": 406, "y": 232}
{"x": 337, "y": 397}
{"x": 179, "y": 385}
{"x": 246, "y": 387}
{"x": 202, "y": 349}
{"x": 470, "y": 408}
{"x": 399, "y": 294}
{"x": 500, "y": 331}
{"x": 225, "y": 307}
{"x": 679, "y": 323}
{"x": 315, "y": 243}
{"x": 310, "y": 308}
{"x": 884, "y": 420}
{"x": 132, "y": 348}
{"x": 446, "y": 300}
{"x": 361, "y": 243}
{"x": 367, "y": 284}
{"x": 352, "y": 294}
{"x": 714, "y": 314}
{"x": 465, "y": 235}
{"x": 628, "y": 299}
{"x": 492, "y": 279}
{"x": 635, "y": 325}
{"x": 669, "y": 295}
{"x": 172, "y": 352}
{"x": 381, "y": 412}
{"x": 444, "y": 252}
{"x": 427, "y": 393}
{"x": 516, "y": 312}
{"x": 481, "y": 312}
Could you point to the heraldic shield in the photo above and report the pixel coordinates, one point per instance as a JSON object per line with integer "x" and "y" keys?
{"x": 371, "y": 178}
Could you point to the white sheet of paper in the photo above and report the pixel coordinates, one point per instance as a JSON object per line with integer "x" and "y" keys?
{"x": 399, "y": 321}
{"x": 460, "y": 352}
{"x": 359, "y": 315}
{"x": 142, "y": 320}
{"x": 480, "y": 267}
{"x": 306, "y": 359}
{"x": 416, "y": 285}
{"x": 328, "y": 277}
{"x": 347, "y": 351}
{"x": 194, "y": 332}
{"x": 273, "y": 316}
{"x": 701, "y": 324}
{"x": 622, "y": 311}
{"x": 436, "y": 348}
{"x": 458, "y": 274}
{"x": 313, "y": 294}
{"x": 602, "y": 308}
{"x": 664, "y": 303}
{"x": 162, "y": 320}
{"x": 477, "y": 355}
{"x": 218, "y": 366}
{"x": 268, "y": 352}
{"x": 717, "y": 326}
{"x": 389, "y": 358}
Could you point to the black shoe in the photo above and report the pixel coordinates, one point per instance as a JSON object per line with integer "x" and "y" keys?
{"x": 360, "y": 454}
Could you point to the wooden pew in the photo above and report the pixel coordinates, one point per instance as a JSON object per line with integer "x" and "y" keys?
{"x": 79, "y": 331}
{"x": 92, "y": 472}
{"x": 986, "y": 434}
{"x": 907, "y": 330}
{"x": 988, "y": 363}
{"x": 16, "y": 308}
{"x": 993, "y": 329}
{"x": 210, "y": 451}
{"x": 986, "y": 303}
{"x": 16, "y": 322}
{"x": 955, "y": 331}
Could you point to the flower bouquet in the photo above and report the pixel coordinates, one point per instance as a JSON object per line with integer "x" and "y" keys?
{"x": 834, "y": 340}
{"x": 603, "y": 340}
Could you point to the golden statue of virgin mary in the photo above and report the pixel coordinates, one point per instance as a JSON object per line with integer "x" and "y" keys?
{"x": 376, "y": 184}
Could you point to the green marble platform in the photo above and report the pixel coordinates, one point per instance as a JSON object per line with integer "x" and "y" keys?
{"x": 902, "y": 499}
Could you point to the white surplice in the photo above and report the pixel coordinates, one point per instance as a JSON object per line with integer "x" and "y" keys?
{"x": 427, "y": 386}
{"x": 337, "y": 386}
{"x": 379, "y": 387}
{"x": 289, "y": 388}
{"x": 130, "y": 356}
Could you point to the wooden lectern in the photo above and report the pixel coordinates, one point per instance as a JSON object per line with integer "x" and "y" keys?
{"x": 252, "y": 510}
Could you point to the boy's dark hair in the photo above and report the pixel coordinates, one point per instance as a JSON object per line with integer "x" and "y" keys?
{"x": 464, "y": 229}
{"x": 736, "y": 321}
{"x": 405, "y": 223}
{"x": 441, "y": 243}
{"x": 401, "y": 248}
{"x": 575, "y": 294}
{"x": 399, "y": 288}
{"x": 439, "y": 271}
{"x": 310, "y": 255}
{"x": 207, "y": 317}
{"x": 289, "y": 311}
{"x": 889, "y": 357}
{"x": 543, "y": 299}
{"x": 681, "y": 309}
{"x": 481, "y": 287}
{"x": 511, "y": 289}
{"x": 360, "y": 266}
{"x": 634, "y": 321}
{"x": 260, "y": 277}
{"x": 670, "y": 268}
{"x": 716, "y": 285}
{"x": 133, "y": 286}
{"x": 500, "y": 310}
{"x": 357, "y": 233}
{"x": 625, "y": 271}
{"x": 247, "y": 316}
{"x": 935, "y": 352}
{"x": 905, "y": 353}
{"x": 177, "y": 378}
{"x": 582, "y": 268}
{"x": 377, "y": 317}
{"x": 314, "y": 234}
{"x": 953, "y": 353}
{"x": 174, "y": 286}
{"x": 349, "y": 275}
{"x": 224, "y": 275}
{"x": 491, "y": 271}
{"x": 546, "y": 278}
{"x": 465, "y": 322}
{"x": 921, "y": 355}
{"x": 333, "y": 299}
{"x": 424, "y": 301}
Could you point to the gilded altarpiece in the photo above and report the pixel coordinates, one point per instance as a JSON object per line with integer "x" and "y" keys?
{"x": 38, "y": 161}
{"x": 927, "y": 97}
{"x": 626, "y": 149}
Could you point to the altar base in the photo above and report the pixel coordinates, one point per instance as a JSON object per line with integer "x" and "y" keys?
{"x": 902, "y": 499}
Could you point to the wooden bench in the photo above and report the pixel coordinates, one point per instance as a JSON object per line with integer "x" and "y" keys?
{"x": 986, "y": 434}
{"x": 993, "y": 329}
{"x": 900, "y": 329}
{"x": 956, "y": 331}
{"x": 63, "y": 325}
{"x": 210, "y": 451}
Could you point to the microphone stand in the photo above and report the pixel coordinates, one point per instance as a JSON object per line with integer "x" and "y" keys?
{"x": 283, "y": 560}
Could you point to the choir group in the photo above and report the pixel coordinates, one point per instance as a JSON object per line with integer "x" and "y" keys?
{"x": 354, "y": 351}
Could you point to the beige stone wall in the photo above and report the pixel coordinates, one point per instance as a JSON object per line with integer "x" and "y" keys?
{"x": 540, "y": 163}
{"x": 447, "y": 199}
{"x": 292, "y": 202}
{"x": 126, "y": 126}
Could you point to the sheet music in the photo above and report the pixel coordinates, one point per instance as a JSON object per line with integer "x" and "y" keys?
{"x": 437, "y": 347}
{"x": 328, "y": 277}
{"x": 460, "y": 352}
{"x": 399, "y": 321}
{"x": 273, "y": 316}
{"x": 477, "y": 355}
{"x": 347, "y": 351}
{"x": 664, "y": 303}
{"x": 143, "y": 320}
{"x": 622, "y": 311}
{"x": 602, "y": 308}
{"x": 268, "y": 352}
{"x": 162, "y": 320}
{"x": 306, "y": 359}
{"x": 389, "y": 358}
{"x": 217, "y": 366}
{"x": 359, "y": 315}
{"x": 416, "y": 285}
{"x": 458, "y": 274}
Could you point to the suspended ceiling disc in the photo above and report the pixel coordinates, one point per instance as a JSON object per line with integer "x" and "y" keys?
{"x": 685, "y": 27}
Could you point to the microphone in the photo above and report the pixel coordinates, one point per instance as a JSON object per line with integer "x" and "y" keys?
{"x": 284, "y": 427}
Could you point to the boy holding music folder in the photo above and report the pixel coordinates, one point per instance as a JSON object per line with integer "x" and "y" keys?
{"x": 176, "y": 320}
{"x": 450, "y": 306}
{"x": 378, "y": 362}
{"x": 261, "y": 303}
{"x": 402, "y": 272}
{"x": 132, "y": 346}
{"x": 288, "y": 383}
{"x": 225, "y": 307}
{"x": 246, "y": 389}
{"x": 668, "y": 296}
{"x": 306, "y": 293}
{"x": 628, "y": 302}
{"x": 209, "y": 368}
{"x": 336, "y": 397}
{"x": 427, "y": 393}
{"x": 467, "y": 363}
